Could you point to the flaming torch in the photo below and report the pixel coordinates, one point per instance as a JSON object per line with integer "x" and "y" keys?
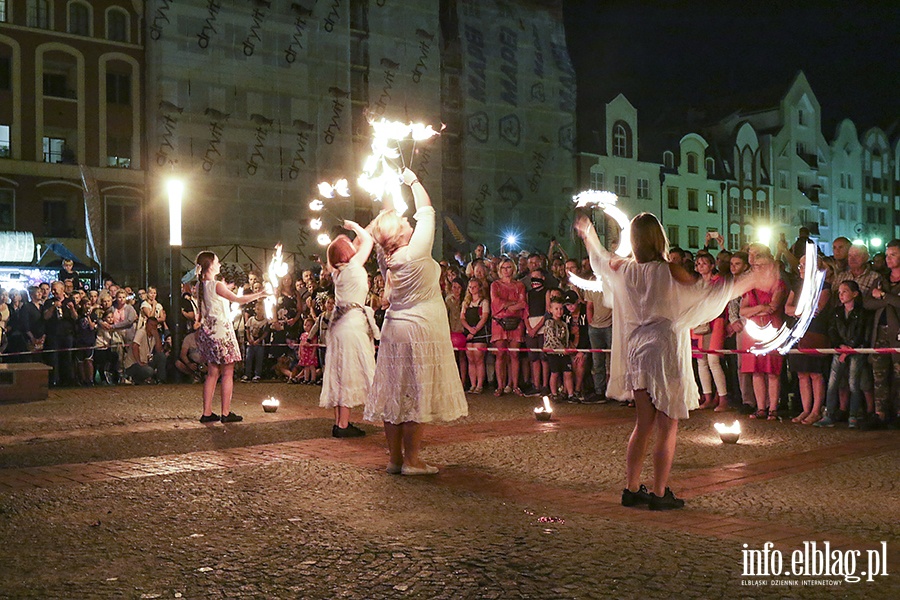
{"x": 380, "y": 176}
{"x": 277, "y": 269}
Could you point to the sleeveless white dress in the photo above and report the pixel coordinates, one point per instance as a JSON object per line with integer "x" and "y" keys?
{"x": 416, "y": 377}
{"x": 215, "y": 338}
{"x": 350, "y": 364}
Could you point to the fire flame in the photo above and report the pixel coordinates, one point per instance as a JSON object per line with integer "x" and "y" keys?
{"x": 324, "y": 239}
{"x": 545, "y": 408}
{"x": 607, "y": 201}
{"x": 733, "y": 428}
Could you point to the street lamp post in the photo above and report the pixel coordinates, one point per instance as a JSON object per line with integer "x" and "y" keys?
{"x": 175, "y": 189}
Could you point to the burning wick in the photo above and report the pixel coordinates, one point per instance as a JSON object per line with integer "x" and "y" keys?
{"x": 729, "y": 434}
{"x": 270, "y": 404}
{"x": 543, "y": 413}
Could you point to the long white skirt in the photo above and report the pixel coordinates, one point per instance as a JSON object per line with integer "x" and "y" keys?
{"x": 349, "y": 362}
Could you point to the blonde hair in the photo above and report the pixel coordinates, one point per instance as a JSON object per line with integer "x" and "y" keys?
{"x": 385, "y": 230}
{"x": 648, "y": 239}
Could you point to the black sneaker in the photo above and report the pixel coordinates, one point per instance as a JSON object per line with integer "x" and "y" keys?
{"x": 350, "y": 431}
{"x": 211, "y": 418}
{"x": 573, "y": 400}
{"x": 232, "y": 418}
{"x": 667, "y": 501}
{"x": 642, "y": 496}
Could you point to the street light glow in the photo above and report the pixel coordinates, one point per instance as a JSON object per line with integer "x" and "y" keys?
{"x": 175, "y": 188}
{"x": 764, "y": 235}
{"x": 876, "y": 242}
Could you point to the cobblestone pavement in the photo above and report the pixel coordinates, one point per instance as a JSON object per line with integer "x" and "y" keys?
{"x": 120, "y": 493}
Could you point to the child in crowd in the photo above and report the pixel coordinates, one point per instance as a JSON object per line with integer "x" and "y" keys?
{"x": 320, "y": 331}
{"x": 306, "y": 366}
{"x": 556, "y": 342}
{"x": 475, "y": 314}
{"x": 256, "y": 330}
{"x": 850, "y": 327}
{"x": 287, "y": 364}
{"x": 107, "y": 346}
{"x": 576, "y": 318}
{"x": 85, "y": 340}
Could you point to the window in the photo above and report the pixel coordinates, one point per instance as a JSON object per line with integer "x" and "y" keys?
{"x": 849, "y": 181}
{"x": 870, "y": 215}
{"x": 38, "y": 14}
{"x": 692, "y": 162}
{"x": 668, "y": 160}
{"x": 56, "y": 219}
{"x": 733, "y": 207}
{"x": 7, "y": 210}
{"x": 621, "y": 140}
{"x": 876, "y": 186}
{"x": 692, "y": 201}
{"x": 710, "y": 166}
{"x": 802, "y": 182}
{"x": 867, "y": 183}
{"x": 117, "y": 26}
{"x": 3, "y": 17}
{"x": 621, "y": 185}
{"x": 882, "y": 216}
{"x": 643, "y": 189}
{"x": 693, "y": 237}
{"x": 118, "y": 150}
{"x": 734, "y": 240}
{"x": 782, "y": 180}
{"x": 801, "y": 148}
{"x": 672, "y": 196}
{"x": 800, "y": 117}
{"x": 118, "y": 89}
{"x": 711, "y": 202}
{"x": 53, "y": 149}
{"x": 853, "y": 212}
{"x": 842, "y": 211}
{"x": 79, "y": 19}
{"x": 5, "y": 142}
{"x": 56, "y": 85}
{"x": 597, "y": 181}
{"x": 672, "y": 234}
{"x": 843, "y": 181}
{"x": 761, "y": 211}
{"x": 5, "y": 72}
{"x": 823, "y": 218}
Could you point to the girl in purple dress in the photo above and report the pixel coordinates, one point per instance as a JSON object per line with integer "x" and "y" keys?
{"x": 215, "y": 338}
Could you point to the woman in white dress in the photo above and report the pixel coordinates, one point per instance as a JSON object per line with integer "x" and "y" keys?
{"x": 350, "y": 366}
{"x": 215, "y": 337}
{"x": 416, "y": 378}
{"x": 655, "y": 304}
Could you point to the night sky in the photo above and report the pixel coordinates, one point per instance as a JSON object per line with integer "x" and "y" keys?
{"x": 668, "y": 57}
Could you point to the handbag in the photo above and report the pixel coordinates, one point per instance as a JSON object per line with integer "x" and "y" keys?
{"x": 509, "y": 323}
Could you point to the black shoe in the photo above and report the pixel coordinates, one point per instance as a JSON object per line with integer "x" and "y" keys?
{"x": 668, "y": 501}
{"x": 232, "y": 418}
{"x": 872, "y": 423}
{"x": 642, "y": 496}
{"x": 349, "y": 431}
{"x": 573, "y": 400}
{"x": 209, "y": 418}
{"x": 840, "y": 416}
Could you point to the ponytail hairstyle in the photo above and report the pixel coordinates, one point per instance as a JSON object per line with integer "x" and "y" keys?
{"x": 204, "y": 262}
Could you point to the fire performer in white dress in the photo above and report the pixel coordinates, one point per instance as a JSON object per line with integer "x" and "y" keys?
{"x": 350, "y": 365}
{"x": 655, "y": 304}
{"x": 416, "y": 378}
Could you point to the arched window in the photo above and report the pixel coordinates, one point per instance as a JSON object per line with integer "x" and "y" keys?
{"x": 668, "y": 159}
{"x": 118, "y": 27}
{"x": 692, "y": 162}
{"x": 710, "y": 166}
{"x": 622, "y": 140}
{"x": 79, "y": 18}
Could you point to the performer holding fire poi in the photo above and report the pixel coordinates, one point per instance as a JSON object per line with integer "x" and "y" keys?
{"x": 416, "y": 378}
{"x": 347, "y": 379}
{"x": 215, "y": 338}
{"x": 655, "y": 304}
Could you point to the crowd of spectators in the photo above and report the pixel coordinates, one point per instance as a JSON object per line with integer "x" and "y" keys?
{"x": 517, "y": 325}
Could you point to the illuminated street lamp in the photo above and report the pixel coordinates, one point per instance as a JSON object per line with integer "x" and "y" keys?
{"x": 175, "y": 189}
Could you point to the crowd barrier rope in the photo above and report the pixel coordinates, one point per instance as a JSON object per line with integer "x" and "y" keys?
{"x": 493, "y": 350}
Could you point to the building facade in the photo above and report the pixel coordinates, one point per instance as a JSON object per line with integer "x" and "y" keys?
{"x": 71, "y": 80}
